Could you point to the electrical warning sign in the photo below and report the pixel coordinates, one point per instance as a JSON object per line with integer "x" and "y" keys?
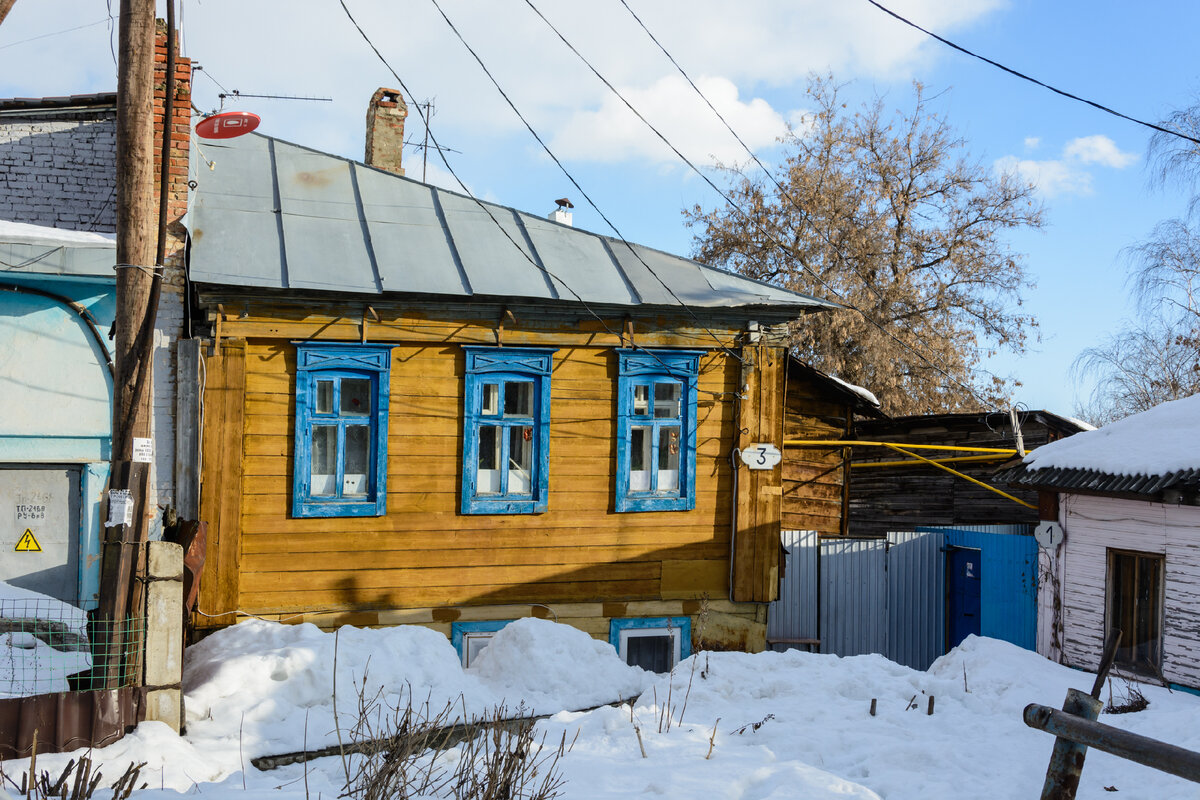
{"x": 28, "y": 543}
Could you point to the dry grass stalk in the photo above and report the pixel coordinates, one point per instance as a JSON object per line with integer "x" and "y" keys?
{"x": 77, "y": 781}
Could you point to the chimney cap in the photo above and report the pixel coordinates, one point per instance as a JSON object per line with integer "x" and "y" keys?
{"x": 563, "y": 202}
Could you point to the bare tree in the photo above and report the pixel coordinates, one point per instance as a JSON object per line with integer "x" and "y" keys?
{"x": 1157, "y": 358}
{"x": 884, "y": 213}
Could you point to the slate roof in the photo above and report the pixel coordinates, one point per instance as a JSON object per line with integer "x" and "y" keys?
{"x": 275, "y": 215}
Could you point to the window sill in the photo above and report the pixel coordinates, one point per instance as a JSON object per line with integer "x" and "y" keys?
{"x": 338, "y": 508}
{"x": 478, "y": 506}
{"x": 651, "y": 503}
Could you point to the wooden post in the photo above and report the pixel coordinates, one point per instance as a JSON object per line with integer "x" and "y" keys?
{"x": 136, "y": 240}
{"x": 5, "y": 7}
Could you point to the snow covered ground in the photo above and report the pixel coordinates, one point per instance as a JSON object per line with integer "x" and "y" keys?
{"x": 30, "y": 623}
{"x": 788, "y": 725}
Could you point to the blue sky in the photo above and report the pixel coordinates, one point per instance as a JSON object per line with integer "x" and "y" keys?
{"x": 753, "y": 59}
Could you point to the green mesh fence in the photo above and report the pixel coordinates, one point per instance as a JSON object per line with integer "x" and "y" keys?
{"x": 47, "y": 647}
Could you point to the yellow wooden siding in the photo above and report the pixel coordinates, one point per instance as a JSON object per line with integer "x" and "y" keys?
{"x": 424, "y": 553}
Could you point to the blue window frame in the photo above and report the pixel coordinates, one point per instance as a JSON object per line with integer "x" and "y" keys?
{"x": 470, "y": 638}
{"x": 340, "y": 464}
{"x": 656, "y": 430}
{"x": 653, "y": 643}
{"x": 506, "y": 430}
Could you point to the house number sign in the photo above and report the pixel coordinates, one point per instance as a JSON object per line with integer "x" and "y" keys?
{"x": 761, "y": 455}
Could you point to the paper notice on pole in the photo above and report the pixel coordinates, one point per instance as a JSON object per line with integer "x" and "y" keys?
{"x": 143, "y": 450}
{"x": 120, "y": 508}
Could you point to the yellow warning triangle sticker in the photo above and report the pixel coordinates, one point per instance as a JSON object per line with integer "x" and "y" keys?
{"x": 28, "y": 543}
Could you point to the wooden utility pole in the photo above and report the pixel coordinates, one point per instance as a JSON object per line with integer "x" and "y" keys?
{"x": 136, "y": 274}
{"x": 5, "y": 7}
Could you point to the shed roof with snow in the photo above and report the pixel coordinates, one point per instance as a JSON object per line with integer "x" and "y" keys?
{"x": 1145, "y": 455}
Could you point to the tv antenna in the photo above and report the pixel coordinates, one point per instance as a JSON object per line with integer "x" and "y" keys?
{"x": 424, "y": 146}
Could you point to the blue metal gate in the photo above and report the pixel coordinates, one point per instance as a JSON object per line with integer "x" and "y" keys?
{"x": 900, "y": 597}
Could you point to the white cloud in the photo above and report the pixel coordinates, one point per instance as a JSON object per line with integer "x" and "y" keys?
{"x": 1068, "y": 174}
{"x": 1098, "y": 150}
{"x": 612, "y": 133}
{"x": 1032, "y": 142}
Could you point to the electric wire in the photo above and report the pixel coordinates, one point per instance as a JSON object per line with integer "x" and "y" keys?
{"x": 56, "y": 33}
{"x": 937, "y": 368}
{"x": 1033, "y": 80}
{"x": 571, "y": 178}
{"x": 483, "y": 206}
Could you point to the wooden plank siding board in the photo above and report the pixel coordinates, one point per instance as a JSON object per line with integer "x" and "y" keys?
{"x": 424, "y": 553}
{"x": 815, "y": 480}
{"x": 1095, "y": 524}
{"x": 221, "y": 477}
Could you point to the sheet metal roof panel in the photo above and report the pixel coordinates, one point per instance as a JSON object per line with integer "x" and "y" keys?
{"x": 413, "y": 251}
{"x": 323, "y": 230}
{"x": 497, "y": 262}
{"x": 274, "y": 214}
{"x": 235, "y": 224}
{"x": 576, "y": 261}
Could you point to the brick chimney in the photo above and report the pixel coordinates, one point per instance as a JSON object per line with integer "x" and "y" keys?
{"x": 385, "y": 130}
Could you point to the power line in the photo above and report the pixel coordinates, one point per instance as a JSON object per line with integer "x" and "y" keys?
{"x": 761, "y": 228}
{"x": 1025, "y": 77}
{"x": 571, "y": 178}
{"x": 56, "y": 33}
{"x": 484, "y": 207}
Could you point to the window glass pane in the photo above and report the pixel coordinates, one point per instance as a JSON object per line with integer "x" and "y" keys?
{"x": 518, "y": 399}
{"x": 358, "y": 459}
{"x": 487, "y": 480}
{"x": 491, "y": 399}
{"x": 639, "y": 458}
{"x": 520, "y": 459}
{"x": 356, "y": 397}
{"x": 668, "y": 459}
{"x": 641, "y": 400}
{"x": 324, "y": 397}
{"x": 653, "y": 653}
{"x": 666, "y": 400}
{"x": 323, "y": 479}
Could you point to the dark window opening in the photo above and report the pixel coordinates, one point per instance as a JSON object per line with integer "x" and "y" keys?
{"x": 653, "y": 653}
{"x": 1135, "y": 606}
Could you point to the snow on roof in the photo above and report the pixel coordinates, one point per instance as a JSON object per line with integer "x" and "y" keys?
{"x": 865, "y": 394}
{"x": 37, "y": 249}
{"x": 25, "y": 233}
{"x": 1162, "y": 440}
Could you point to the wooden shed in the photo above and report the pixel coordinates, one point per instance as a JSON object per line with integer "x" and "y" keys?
{"x": 816, "y": 480}
{"x": 1120, "y": 544}
{"x": 894, "y": 492}
{"x": 422, "y": 408}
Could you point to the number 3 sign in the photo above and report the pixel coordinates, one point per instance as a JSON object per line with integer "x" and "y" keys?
{"x": 761, "y": 456}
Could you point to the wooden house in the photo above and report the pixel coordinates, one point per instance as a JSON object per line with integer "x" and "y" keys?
{"x": 890, "y": 491}
{"x": 1120, "y": 543}
{"x": 422, "y": 408}
{"x": 816, "y": 480}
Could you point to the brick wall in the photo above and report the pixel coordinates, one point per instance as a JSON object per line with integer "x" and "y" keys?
{"x": 59, "y": 169}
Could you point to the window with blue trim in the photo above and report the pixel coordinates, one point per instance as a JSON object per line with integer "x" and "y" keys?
{"x": 656, "y": 644}
{"x": 340, "y": 464}
{"x": 506, "y": 430}
{"x": 656, "y": 430}
{"x": 472, "y": 638}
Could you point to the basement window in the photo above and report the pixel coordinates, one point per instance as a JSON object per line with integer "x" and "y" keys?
{"x": 506, "y": 430}
{"x": 470, "y": 638}
{"x": 340, "y": 463}
{"x": 656, "y": 644}
{"x": 1135, "y": 606}
{"x": 656, "y": 430}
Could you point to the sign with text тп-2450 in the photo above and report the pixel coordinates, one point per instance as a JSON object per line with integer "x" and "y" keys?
{"x": 761, "y": 455}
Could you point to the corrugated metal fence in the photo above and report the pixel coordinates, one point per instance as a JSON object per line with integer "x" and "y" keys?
{"x": 888, "y": 596}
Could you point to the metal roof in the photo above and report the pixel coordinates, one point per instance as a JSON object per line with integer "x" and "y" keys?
{"x": 35, "y": 249}
{"x": 274, "y": 215}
